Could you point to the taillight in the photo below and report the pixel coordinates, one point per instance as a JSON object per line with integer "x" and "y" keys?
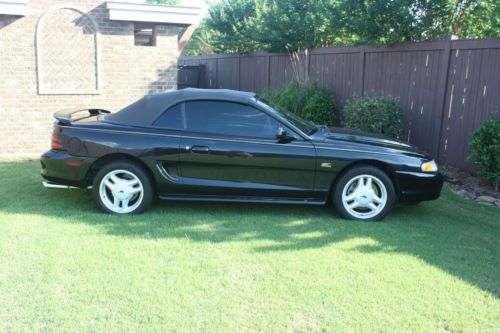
{"x": 56, "y": 141}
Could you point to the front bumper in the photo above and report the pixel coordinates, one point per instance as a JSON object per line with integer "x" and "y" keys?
{"x": 64, "y": 169}
{"x": 419, "y": 186}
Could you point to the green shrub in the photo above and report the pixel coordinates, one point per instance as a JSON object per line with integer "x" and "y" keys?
{"x": 485, "y": 144}
{"x": 306, "y": 100}
{"x": 380, "y": 115}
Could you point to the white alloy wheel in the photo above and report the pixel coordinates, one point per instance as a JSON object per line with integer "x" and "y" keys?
{"x": 364, "y": 196}
{"x": 121, "y": 191}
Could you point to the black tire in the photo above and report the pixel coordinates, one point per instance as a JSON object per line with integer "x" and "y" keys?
{"x": 133, "y": 168}
{"x": 354, "y": 172}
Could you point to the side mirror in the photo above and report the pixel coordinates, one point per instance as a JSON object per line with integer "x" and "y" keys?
{"x": 282, "y": 136}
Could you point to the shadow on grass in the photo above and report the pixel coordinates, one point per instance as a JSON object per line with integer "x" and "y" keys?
{"x": 457, "y": 236}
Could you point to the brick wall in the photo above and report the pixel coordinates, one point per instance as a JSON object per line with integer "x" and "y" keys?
{"x": 58, "y": 58}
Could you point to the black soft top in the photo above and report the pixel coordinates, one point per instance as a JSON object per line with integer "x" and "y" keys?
{"x": 145, "y": 111}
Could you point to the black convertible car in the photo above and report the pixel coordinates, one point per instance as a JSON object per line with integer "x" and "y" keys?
{"x": 224, "y": 145}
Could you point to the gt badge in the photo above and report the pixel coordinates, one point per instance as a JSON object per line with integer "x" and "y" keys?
{"x": 326, "y": 165}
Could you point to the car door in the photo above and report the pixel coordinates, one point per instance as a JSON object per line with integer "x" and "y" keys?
{"x": 231, "y": 149}
{"x": 164, "y": 153}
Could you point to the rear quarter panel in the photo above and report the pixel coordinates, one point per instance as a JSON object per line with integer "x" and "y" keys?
{"x": 100, "y": 141}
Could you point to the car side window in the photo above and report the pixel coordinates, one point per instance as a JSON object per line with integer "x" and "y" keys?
{"x": 172, "y": 118}
{"x": 227, "y": 118}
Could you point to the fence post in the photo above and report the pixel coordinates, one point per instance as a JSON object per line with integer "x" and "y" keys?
{"x": 216, "y": 73}
{"x": 239, "y": 71}
{"x": 362, "y": 79}
{"x": 442, "y": 89}
{"x": 268, "y": 71}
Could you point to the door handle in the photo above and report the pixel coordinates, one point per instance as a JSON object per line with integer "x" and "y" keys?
{"x": 200, "y": 149}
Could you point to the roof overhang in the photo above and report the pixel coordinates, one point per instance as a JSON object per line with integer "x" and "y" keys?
{"x": 13, "y": 7}
{"x": 140, "y": 12}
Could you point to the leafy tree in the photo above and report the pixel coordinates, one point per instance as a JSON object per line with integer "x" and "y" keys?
{"x": 378, "y": 21}
{"x": 390, "y": 22}
{"x": 234, "y": 26}
{"x": 295, "y": 24}
{"x": 481, "y": 20}
{"x": 240, "y": 26}
{"x": 200, "y": 42}
{"x": 272, "y": 25}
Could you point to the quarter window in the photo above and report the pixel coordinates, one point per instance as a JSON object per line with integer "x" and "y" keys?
{"x": 172, "y": 118}
{"x": 226, "y": 118}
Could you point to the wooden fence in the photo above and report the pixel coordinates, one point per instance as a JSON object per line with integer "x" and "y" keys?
{"x": 446, "y": 88}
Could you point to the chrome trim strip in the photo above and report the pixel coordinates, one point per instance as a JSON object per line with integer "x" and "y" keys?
{"x": 165, "y": 173}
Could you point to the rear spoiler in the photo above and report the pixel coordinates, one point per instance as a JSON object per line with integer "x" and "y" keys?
{"x": 66, "y": 116}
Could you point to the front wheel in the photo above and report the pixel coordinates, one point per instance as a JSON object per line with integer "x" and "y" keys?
{"x": 364, "y": 193}
{"x": 122, "y": 187}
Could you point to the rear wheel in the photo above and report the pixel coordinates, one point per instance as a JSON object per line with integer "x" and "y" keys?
{"x": 122, "y": 187}
{"x": 364, "y": 193}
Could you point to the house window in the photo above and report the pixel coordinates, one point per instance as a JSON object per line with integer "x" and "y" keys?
{"x": 144, "y": 35}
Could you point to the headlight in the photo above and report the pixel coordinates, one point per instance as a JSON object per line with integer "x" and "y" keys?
{"x": 430, "y": 166}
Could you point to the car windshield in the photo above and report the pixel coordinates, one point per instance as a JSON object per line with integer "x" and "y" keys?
{"x": 305, "y": 126}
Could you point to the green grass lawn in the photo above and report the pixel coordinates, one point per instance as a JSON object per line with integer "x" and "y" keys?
{"x": 203, "y": 267}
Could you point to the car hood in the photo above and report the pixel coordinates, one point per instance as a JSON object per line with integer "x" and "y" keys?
{"x": 335, "y": 134}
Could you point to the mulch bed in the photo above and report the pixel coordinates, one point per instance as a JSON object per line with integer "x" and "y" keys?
{"x": 471, "y": 187}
